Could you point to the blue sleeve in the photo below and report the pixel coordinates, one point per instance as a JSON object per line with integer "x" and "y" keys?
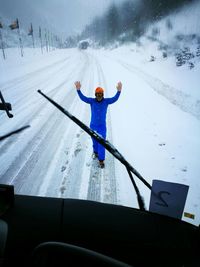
{"x": 113, "y": 99}
{"x": 85, "y": 99}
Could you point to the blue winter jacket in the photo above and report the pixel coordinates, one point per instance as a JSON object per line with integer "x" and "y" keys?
{"x": 98, "y": 109}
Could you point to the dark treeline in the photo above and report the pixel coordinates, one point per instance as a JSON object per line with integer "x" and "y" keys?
{"x": 129, "y": 20}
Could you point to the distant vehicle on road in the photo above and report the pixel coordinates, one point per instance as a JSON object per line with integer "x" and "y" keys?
{"x": 83, "y": 44}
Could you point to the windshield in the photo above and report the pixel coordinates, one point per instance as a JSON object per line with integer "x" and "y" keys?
{"x": 144, "y": 55}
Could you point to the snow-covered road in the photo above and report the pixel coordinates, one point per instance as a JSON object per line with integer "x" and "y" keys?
{"x": 53, "y": 156}
{"x": 153, "y": 124}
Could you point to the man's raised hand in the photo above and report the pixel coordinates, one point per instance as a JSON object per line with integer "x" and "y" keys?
{"x": 78, "y": 85}
{"x": 119, "y": 86}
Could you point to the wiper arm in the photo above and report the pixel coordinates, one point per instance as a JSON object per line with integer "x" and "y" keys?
{"x": 5, "y": 106}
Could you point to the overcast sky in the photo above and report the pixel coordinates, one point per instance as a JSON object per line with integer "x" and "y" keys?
{"x": 63, "y": 16}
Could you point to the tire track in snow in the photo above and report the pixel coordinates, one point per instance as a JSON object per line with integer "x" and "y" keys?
{"x": 69, "y": 167}
{"x": 184, "y": 101}
{"x": 20, "y": 168}
{"x": 22, "y": 107}
{"x": 23, "y": 95}
{"x": 75, "y": 163}
{"x": 28, "y": 157}
{"x": 17, "y": 82}
{"x": 73, "y": 167}
{"x": 31, "y": 117}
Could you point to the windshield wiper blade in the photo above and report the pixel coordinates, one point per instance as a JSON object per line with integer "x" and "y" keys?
{"x": 13, "y": 132}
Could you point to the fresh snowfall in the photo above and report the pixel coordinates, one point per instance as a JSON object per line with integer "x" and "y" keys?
{"x": 155, "y": 124}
